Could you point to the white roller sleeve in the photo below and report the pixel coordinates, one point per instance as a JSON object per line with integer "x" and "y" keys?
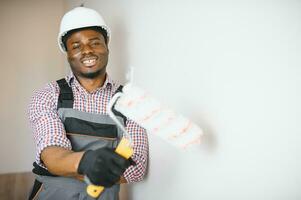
{"x": 145, "y": 110}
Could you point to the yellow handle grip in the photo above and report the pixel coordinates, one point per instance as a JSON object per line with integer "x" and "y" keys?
{"x": 125, "y": 150}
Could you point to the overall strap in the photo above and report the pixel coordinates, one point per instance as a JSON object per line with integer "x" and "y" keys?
{"x": 65, "y": 99}
{"x": 117, "y": 113}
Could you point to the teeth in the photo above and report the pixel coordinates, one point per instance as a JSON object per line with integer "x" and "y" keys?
{"x": 89, "y": 62}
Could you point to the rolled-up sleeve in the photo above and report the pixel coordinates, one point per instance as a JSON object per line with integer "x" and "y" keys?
{"x": 140, "y": 145}
{"x": 47, "y": 128}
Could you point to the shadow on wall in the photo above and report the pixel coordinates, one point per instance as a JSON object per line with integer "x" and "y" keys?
{"x": 208, "y": 146}
{"x": 209, "y": 140}
{"x": 119, "y": 58}
{"x": 117, "y": 68}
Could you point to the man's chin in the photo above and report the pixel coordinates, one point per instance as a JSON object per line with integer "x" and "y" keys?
{"x": 91, "y": 75}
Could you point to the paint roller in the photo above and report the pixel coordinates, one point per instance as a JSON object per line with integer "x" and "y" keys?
{"x": 139, "y": 106}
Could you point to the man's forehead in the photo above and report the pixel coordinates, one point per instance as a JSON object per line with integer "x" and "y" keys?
{"x": 86, "y": 33}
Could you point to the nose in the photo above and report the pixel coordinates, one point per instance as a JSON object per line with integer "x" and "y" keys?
{"x": 86, "y": 49}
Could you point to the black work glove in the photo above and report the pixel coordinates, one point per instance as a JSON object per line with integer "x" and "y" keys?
{"x": 103, "y": 166}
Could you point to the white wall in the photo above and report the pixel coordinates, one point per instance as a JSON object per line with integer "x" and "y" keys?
{"x": 29, "y": 58}
{"x": 234, "y": 68}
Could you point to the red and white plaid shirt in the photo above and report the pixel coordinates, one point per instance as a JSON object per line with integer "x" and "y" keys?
{"x": 48, "y": 129}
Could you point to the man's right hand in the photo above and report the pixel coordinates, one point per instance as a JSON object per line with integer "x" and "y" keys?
{"x": 103, "y": 166}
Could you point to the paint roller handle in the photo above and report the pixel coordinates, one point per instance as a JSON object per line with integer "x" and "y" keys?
{"x": 125, "y": 150}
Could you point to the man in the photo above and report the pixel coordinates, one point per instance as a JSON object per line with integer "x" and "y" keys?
{"x": 74, "y": 136}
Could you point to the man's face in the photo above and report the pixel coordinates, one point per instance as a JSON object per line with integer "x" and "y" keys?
{"x": 87, "y": 54}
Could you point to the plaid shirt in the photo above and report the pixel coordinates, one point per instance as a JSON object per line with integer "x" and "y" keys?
{"x": 48, "y": 129}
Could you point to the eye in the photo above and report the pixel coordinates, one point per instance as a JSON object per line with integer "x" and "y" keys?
{"x": 96, "y": 43}
{"x": 75, "y": 46}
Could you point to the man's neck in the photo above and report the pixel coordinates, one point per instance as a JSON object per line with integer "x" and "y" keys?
{"x": 92, "y": 84}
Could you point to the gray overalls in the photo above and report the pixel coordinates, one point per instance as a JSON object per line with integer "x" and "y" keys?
{"x": 85, "y": 131}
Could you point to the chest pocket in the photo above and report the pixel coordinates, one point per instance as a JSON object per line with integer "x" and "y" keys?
{"x": 101, "y": 130}
{"x": 85, "y": 135}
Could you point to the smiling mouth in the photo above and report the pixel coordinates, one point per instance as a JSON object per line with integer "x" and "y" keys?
{"x": 88, "y": 62}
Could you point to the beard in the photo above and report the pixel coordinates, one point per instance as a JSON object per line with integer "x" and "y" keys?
{"x": 91, "y": 75}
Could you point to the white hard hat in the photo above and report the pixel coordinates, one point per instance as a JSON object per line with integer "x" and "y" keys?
{"x": 80, "y": 17}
